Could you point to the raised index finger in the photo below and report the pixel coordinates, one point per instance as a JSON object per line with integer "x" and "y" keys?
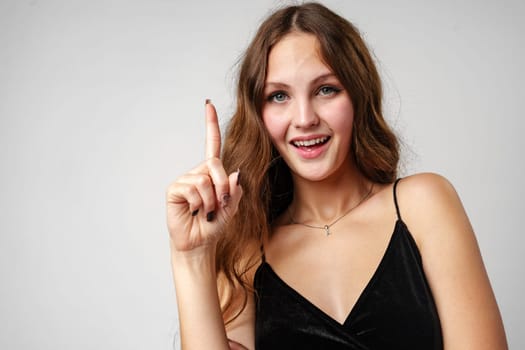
{"x": 213, "y": 133}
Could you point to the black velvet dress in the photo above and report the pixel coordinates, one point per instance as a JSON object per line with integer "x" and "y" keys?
{"x": 396, "y": 309}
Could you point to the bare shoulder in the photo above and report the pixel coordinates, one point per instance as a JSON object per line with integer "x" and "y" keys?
{"x": 427, "y": 202}
{"x": 433, "y": 213}
{"x": 428, "y": 189}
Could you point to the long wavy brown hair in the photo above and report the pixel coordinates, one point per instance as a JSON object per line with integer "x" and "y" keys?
{"x": 265, "y": 177}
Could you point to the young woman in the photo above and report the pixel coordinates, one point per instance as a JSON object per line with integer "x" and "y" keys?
{"x": 299, "y": 236}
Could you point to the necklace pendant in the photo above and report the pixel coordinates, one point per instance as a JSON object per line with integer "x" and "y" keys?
{"x": 327, "y": 229}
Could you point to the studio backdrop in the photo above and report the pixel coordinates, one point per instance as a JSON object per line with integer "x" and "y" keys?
{"x": 102, "y": 106}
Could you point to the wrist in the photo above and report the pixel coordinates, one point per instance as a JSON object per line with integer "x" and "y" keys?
{"x": 201, "y": 258}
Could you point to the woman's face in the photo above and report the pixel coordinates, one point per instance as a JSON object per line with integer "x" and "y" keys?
{"x": 306, "y": 110}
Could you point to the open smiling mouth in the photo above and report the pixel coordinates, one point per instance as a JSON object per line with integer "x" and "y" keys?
{"x": 308, "y": 144}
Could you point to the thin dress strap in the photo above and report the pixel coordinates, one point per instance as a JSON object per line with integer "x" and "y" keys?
{"x": 263, "y": 257}
{"x": 395, "y": 200}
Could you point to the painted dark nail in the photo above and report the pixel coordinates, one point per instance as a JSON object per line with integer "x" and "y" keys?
{"x": 238, "y": 177}
{"x": 225, "y": 199}
{"x": 210, "y": 216}
{"x": 208, "y": 101}
{"x": 193, "y": 213}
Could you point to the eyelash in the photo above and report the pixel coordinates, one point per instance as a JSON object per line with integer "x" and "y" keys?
{"x": 332, "y": 90}
{"x": 273, "y": 95}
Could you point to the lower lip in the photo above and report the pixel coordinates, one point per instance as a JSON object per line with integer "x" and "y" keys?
{"x": 311, "y": 152}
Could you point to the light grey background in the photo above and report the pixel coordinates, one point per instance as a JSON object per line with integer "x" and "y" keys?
{"x": 101, "y": 107}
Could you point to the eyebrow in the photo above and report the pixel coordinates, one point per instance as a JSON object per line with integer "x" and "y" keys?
{"x": 313, "y": 82}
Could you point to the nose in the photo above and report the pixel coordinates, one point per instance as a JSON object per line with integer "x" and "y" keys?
{"x": 304, "y": 115}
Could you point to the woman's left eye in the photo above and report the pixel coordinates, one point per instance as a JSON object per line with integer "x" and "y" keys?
{"x": 328, "y": 90}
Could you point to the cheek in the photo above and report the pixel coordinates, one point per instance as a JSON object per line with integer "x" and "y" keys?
{"x": 341, "y": 117}
{"x": 275, "y": 125}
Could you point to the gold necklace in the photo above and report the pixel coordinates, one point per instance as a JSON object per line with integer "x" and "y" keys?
{"x": 327, "y": 227}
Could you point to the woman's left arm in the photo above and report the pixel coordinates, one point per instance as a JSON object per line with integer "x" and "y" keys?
{"x": 467, "y": 308}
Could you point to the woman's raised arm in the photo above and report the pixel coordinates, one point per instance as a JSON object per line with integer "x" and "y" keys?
{"x": 199, "y": 204}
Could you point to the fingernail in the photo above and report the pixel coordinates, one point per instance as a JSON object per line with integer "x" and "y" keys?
{"x": 210, "y": 216}
{"x": 193, "y": 213}
{"x": 225, "y": 199}
{"x": 238, "y": 177}
{"x": 208, "y": 101}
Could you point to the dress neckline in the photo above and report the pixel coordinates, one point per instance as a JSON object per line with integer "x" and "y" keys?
{"x": 399, "y": 227}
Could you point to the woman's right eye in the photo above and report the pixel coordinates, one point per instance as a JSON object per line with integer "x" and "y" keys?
{"x": 278, "y": 97}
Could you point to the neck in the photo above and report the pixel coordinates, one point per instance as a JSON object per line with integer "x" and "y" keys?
{"x": 322, "y": 202}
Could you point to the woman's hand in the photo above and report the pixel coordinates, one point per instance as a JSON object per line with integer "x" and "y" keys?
{"x": 202, "y": 201}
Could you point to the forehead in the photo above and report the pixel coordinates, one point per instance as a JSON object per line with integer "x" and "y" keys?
{"x": 295, "y": 53}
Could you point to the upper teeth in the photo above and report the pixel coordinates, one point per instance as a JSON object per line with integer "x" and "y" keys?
{"x": 310, "y": 142}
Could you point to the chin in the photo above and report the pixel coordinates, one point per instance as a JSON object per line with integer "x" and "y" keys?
{"x": 312, "y": 176}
